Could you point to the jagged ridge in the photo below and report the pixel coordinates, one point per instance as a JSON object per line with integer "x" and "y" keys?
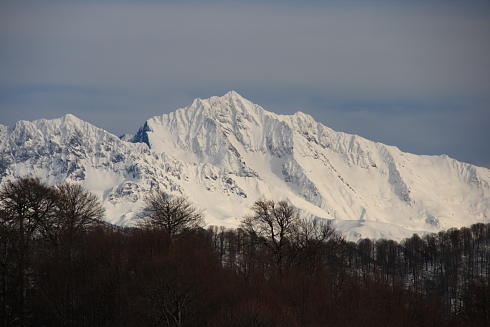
{"x": 225, "y": 152}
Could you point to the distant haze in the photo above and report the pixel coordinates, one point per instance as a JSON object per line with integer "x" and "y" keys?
{"x": 411, "y": 74}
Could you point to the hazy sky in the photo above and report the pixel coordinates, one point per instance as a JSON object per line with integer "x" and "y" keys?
{"x": 411, "y": 74}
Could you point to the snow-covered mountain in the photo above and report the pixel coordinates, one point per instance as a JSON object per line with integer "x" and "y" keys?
{"x": 226, "y": 152}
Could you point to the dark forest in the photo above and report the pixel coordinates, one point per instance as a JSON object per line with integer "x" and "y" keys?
{"x": 61, "y": 265}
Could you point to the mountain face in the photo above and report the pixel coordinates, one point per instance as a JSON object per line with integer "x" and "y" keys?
{"x": 226, "y": 152}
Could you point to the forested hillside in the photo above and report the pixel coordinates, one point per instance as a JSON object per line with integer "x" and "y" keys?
{"x": 60, "y": 265}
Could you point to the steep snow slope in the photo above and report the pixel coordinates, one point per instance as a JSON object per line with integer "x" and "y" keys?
{"x": 226, "y": 152}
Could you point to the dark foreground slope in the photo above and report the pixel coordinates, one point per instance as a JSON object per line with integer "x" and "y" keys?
{"x": 225, "y": 277}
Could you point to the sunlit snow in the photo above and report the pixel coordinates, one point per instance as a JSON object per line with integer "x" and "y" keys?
{"x": 226, "y": 152}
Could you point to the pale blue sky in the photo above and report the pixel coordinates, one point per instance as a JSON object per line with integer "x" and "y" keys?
{"x": 411, "y": 74}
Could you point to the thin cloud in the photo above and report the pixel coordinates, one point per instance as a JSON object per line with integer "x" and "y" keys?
{"x": 381, "y": 59}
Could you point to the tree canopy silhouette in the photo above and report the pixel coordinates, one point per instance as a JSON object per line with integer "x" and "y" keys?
{"x": 171, "y": 213}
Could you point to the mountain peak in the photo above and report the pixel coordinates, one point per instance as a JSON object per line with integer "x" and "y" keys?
{"x": 232, "y": 94}
{"x": 227, "y": 97}
{"x": 231, "y": 100}
{"x": 226, "y": 152}
{"x": 71, "y": 117}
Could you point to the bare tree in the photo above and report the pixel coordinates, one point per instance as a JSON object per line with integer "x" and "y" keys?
{"x": 24, "y": 204}
{"x": 173, "y": 214}
{"x": 274, "y": 223}
{"x": 316, "y": 239}
{"x": 169, "y": 299}
{"x": 317, "y": 231}
{"x": 77, "y": 210}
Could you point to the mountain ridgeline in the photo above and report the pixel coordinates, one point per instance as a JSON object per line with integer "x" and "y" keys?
{"x": 224, "y": 153}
